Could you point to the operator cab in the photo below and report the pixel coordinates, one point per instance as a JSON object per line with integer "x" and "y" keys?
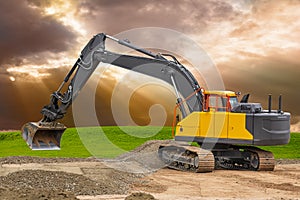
{"x": 227, "y": 101}
{"x": 220, "y": 101}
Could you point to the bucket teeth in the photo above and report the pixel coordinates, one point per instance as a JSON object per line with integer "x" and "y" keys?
{"x": 43, "y": 135}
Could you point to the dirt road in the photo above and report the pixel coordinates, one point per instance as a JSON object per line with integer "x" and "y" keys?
{"x": 283, "y": 183}
{"x": 94, "y": 180}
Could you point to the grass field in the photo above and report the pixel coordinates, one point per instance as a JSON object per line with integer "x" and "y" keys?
{"x": 112, "y": 142}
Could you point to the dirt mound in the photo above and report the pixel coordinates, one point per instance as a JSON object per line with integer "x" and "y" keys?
{"x": 36, "y": 194}
{"x": 140, "y": 196}
{"x": 143, "y": 159}
{"x": 41, "y": 180}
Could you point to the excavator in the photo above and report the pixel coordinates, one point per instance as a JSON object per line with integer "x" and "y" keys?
{"x": 226, "y": 130}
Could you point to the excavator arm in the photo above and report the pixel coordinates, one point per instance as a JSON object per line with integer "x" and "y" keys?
{"x": 46, "y": 134}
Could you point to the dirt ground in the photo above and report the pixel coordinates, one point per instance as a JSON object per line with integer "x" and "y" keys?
{"x": 139, "y": 175}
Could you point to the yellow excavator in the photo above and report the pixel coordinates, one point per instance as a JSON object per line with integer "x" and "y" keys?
{"x": 226, "y": 129}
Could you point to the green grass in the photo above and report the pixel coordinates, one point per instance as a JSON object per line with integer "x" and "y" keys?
{"x": 289, "y": 151}
{"x": 111, "y": 141}
{"x": 12, "y": 144}
{"x": 117, "y": 140}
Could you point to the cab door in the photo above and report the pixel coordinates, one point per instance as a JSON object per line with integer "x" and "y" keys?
{"x": 218, "y": 108}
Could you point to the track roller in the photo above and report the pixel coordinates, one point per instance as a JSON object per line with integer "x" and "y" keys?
{"x": 187, "y": 158}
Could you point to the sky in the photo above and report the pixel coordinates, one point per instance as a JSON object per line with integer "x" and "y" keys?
{"x": 255, "y": 45}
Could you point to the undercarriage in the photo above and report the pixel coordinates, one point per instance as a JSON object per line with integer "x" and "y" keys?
{"x": 195, "y": 159}
{"x": 187, "y": 158}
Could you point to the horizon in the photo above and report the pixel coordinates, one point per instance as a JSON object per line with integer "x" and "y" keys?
{"x": 254, "y": 44}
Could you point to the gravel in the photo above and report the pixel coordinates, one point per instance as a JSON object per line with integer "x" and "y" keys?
{"x": 140, "y": 196}
{"x": 57, "y": 181}
{"x": 41, "y": 184}
{"x": 36, "y": 194}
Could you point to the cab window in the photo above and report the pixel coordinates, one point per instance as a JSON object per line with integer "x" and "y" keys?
{"x": 217, "y": 103}
{"x": 233, "y": 102}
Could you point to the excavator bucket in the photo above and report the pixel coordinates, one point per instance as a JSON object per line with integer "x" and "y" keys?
{"x": 43, "y": 135}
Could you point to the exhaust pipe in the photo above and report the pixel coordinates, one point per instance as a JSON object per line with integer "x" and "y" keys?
{"x": 279, "y": 104}
{"x": 43, "y": 135}
{"x": 270, "y": 103}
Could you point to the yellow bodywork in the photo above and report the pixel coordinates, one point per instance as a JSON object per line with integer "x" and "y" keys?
{"x": 214, "y": 125}
{"x": 220, "y": 93}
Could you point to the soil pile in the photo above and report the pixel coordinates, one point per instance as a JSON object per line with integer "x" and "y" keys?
{"x": 140, "y": 196}
{"x": 144, "y": 159}
{"x": 57, "y": 181}
{"x": 34, "y": 194}
{"x": 40, "y": 184}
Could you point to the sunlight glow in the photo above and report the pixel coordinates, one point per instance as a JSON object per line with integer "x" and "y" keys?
{"x": 13, "y": 79}
{"x": 66, "y": 14}
{"x": 50, "y": 11}
{"x": 29, "y": 70}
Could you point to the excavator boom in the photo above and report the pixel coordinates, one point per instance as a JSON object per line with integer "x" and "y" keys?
{"x": 46, "y": 134}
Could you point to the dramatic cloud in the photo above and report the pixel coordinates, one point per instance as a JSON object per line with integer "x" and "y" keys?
{"x": 27, "y": 36}
{"x": 255, "y": 44}
{"x": 274, "y": 74}
{"x": 260, "y": 53}
{"x": 24, "y": 31}
{"x": 186, "y": 16}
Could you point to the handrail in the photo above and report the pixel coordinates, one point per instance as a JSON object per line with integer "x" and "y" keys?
{"x": 177, "y": 105}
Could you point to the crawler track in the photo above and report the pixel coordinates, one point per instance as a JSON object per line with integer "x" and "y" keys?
{"x": 187, "y": 158}
{"x": 244, "y": 158}
{"x": 266, "y": 159}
